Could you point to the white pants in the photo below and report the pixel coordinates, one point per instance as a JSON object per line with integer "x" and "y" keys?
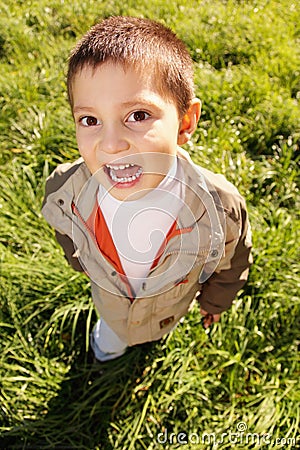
{"x": 106, "y": 340}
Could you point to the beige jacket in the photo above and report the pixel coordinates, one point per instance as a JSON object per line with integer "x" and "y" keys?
{"x": 210, "y": 255}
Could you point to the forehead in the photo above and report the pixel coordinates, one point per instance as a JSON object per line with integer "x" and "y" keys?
{"x": 108, "y": 73}
{"x": 118, "y": 81}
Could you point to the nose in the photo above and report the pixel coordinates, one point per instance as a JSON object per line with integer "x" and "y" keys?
{"x": 112, "y": 140}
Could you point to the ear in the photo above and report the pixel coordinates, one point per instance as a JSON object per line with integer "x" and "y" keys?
{"x": 188, "y": 123}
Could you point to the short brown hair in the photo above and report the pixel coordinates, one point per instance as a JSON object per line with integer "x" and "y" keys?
{"x": 146, "y": 45}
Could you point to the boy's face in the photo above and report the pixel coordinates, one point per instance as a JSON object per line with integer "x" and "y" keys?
{"x": 127, "y": 133}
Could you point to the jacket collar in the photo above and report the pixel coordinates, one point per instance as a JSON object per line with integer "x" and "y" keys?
{"x": 81, "y": 189}
{"x": 85, "y": 187}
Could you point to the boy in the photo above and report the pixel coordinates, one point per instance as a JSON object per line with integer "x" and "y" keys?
{"x": 150, "y": 228}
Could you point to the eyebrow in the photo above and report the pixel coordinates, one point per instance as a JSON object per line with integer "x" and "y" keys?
{"x": 140, "y": 101}
{"x": 83, "y": 108}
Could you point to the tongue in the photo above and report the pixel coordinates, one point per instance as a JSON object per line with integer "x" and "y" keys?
{"x": 125, "y": 173}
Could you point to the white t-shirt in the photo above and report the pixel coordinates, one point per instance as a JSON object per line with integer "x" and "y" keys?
{"x": 139, "y": 228}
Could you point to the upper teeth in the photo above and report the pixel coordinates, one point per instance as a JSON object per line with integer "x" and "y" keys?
{"x": 113, "y": 175}
{"x": 120, "y": 166}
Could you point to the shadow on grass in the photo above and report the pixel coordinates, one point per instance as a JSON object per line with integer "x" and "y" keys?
{"x": 80, "y": 416}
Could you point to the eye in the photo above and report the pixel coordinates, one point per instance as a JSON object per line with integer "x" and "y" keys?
{"x": 89, "y": 121}
{"x": 138, "y": 116}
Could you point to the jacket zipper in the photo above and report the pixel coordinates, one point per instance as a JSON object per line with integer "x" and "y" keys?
{"x": 92, "y": 234}
{"x": 77, "y": 214}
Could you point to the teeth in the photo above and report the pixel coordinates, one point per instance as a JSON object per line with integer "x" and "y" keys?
{"x": 119, "y": 166}
{"x": 125, "y": 179}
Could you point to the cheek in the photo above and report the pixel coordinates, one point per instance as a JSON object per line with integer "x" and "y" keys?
{"x": 86, "y": 155}
{"x": 163, "y": 137}
{"x": 80, "y": 141}
{"x": 168, "y": 130}
{"x": 84, "y": 145}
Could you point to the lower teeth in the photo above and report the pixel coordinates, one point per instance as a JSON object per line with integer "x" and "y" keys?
{"x": 125, "y": 179}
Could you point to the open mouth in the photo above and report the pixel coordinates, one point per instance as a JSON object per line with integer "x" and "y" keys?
{"x": 123, "y": 174}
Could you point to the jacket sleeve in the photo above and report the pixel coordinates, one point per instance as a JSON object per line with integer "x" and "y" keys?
{"x": 54, "y": 182}
{"x": 69, "y": 251}
{"x": 221, "y": 288}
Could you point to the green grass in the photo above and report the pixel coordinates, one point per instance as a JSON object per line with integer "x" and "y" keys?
{"x": 52, "y": 396}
